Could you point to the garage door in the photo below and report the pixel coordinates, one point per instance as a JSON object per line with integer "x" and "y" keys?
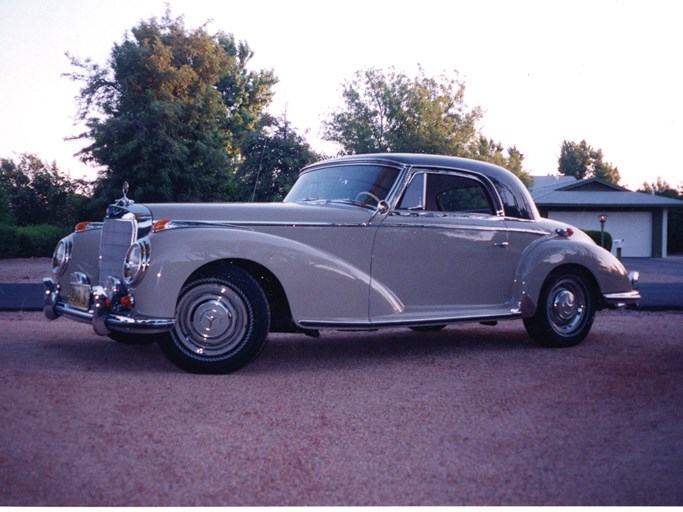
{"x": 635, "y": 228}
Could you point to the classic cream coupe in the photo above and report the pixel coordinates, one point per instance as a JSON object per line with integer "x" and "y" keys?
{"x": 360, "y": 242}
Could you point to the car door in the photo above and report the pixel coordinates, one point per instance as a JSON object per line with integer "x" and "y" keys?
{"x": 442, "y": 252}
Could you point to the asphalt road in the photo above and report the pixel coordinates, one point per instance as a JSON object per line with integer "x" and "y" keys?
{"x": 661, "y": 285}
{"x": 29, "y": 296}
{"x": 471, "y": 415}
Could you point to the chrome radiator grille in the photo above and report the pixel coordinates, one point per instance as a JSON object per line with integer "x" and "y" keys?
{"x": 117, "y": 237}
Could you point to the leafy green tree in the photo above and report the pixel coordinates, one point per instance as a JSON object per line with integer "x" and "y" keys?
{"x": 391, "y": 112}
{"x": 6, "y": 215}
{"x": 37, "y": 193}
{"x": 488, "y": 150}
{"x": 169, "y": 112}
{"x": 661, "y": 187}
{"x": 582, "y": 161}
{"x": 274, "y": 156}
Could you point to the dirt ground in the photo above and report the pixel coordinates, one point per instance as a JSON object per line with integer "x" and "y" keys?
{"x": 471, "y": 415}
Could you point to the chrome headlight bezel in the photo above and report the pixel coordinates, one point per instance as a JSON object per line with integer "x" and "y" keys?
{"x": 136, "y": 262}
{"x": 61, "y": 256}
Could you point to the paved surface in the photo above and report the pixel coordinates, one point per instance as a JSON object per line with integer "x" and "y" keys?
{"x": 21, "y": 296}
{"x": 470, "y": 415}
{"x": 661, "y": 286}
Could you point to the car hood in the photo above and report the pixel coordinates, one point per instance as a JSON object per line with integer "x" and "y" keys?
{"x": 261, "y": 213}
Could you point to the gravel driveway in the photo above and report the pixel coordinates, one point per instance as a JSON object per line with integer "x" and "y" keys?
{"x": 471, "y": 415}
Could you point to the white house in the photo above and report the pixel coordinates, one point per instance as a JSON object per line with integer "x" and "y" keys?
{"x": 636, "y": 221}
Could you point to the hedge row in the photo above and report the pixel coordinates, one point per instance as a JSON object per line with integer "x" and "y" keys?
{"x": 595, "y": 235}
{"x": 29, "y": 241}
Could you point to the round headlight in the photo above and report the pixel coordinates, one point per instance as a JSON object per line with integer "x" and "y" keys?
{"x": 136, "y": 262}
{"x": 61, "y": 256}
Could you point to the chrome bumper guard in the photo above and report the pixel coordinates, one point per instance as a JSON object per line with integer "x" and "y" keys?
{"x": 102, "y": 318}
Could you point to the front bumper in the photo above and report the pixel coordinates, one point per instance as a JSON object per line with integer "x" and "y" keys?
{"x": 102, "y": 317}
{"x": 623, "y": 299}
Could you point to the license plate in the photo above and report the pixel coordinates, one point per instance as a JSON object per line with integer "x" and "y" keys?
{"x": 79, "y": 296}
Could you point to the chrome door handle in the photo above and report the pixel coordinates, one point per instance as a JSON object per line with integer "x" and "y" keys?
{"x": 503, "y": 245}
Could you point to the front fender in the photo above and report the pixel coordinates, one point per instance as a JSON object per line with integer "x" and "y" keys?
{"x": 318, "y": 284}
{"x": 545, "y": 255}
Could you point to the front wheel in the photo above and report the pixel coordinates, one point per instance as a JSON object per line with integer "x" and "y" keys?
{"x": 222, "y": 324}
{"x": 565, "y": 311}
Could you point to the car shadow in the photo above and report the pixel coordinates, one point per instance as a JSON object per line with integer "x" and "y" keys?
{"x": 338, "y": 349}
{"x": 286, "y": 352}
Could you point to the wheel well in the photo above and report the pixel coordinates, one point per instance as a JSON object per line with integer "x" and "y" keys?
{"x": 585, "y": 272}
{"x": 280, "y": 312}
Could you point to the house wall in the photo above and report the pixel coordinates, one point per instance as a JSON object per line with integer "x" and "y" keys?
{"x": 635, "y": 228}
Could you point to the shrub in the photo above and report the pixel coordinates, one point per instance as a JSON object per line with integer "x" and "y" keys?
{"x": 595, "y": 235}
{"x": 29, "y": 241}
{"x": 9, "y": 242}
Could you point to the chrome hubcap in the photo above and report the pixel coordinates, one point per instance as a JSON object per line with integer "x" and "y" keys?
{"x": 567, "y": 306}
{"x": 212, "y": 319}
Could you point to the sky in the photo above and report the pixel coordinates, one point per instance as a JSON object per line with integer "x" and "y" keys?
{"x": 607, "y": 71}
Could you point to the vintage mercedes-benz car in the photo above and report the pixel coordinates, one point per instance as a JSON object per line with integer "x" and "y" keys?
{"x": 360, "y": 242}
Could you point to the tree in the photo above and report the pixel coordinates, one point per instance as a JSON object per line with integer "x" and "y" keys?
{"x": 274, "y": 156}
{"x": 582, "y": 161}
{"x": 487, "y": 150}
{"x": 660, "y": 187}
{"x": 169, "y": 111}
{"x": 675, "y": 222}
{"x": 391, "y": 112}
{"x": 6, "y": 214}
{"x": 37, "y": 193}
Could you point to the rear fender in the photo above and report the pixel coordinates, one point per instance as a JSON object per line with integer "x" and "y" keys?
{"x": 544, "y": 256}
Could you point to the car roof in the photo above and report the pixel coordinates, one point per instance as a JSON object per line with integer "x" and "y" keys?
{"x": 420, "y": 159}
{"x": 517, "y": 200}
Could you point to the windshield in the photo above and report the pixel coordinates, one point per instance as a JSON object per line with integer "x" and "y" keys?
{"x": 361, "y": 184}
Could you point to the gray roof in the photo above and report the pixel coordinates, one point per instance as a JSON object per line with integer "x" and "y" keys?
{"x": 548, "y": 191}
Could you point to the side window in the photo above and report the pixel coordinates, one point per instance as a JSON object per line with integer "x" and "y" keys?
{"x": 464, "y": 199}
{"x": 413, "y": 197}
{"x": 446, "y": 193}
{"x": 454, "y": 193}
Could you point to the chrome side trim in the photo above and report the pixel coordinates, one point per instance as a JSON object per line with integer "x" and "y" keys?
{"x": 514, "y": 314}
{"x": 454, "y": 225}
{"x": 180, "y": 224}
{"x": 529, "y": 231}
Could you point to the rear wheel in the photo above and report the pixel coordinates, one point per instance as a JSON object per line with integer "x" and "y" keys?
{"x": 565, "y": 310}
{"x": 222, "y": 323}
